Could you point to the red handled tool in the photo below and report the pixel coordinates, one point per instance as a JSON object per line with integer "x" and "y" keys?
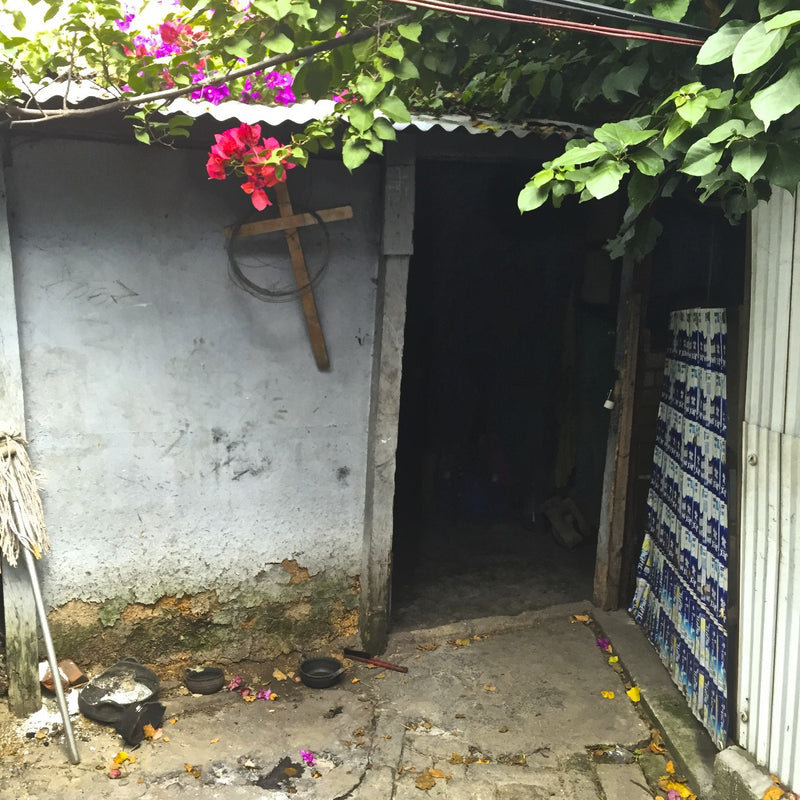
{"x": 360, "y": 655}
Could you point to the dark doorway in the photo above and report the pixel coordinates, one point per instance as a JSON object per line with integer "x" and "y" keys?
{"x": 508, "y": 357}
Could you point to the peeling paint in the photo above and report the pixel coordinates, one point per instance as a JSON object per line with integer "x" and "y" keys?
{"x": 298, "y": 574}
{"x": 250, "y": 625}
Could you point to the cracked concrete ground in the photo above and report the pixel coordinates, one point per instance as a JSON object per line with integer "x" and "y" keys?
{"x": 501, "y": 708}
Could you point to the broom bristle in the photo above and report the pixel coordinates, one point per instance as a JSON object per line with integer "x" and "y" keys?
{"x": 21, "y": 514}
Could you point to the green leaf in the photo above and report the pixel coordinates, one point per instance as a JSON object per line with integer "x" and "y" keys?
{"x": 394, "y": 108}
{"x": 605, "y": 178}
{"x": 532, "y": 196}
{"x": 701, "y": 158}
{"x": 785, "y": 20}
{"x": 647, "y": 161}
{"x": 676, "y": 127}
{"x": 360, "y": 117}
{"x": 368, "y": 88}
{"x": 721, "y": 44}
{"x": 716, "y": 98}
{"x": 406, "y": 70}
{"x": 782, "y": 166}
{"x": 778, "y": 99}
{"x": 363, "y": 50}
{"x": 579, "y": 155}
{"x": 278, "y": 43}
{"x": 694, "y": 109}
{"x": 142, "y": 135}
{"x": 723, "y": 132}
{"x": 748, "y": 158}
{"x": 766, "y": 8}
{"x": 673, "y": 10}
{"x": 393, "y": 50}
{"x": 19, "y": 20}
{"x": 411, "y": 31}
{"x": 757, "y": 47}
{"x": 354, "y": 153}
{"x": 622, "y": 134}
{"x": 543, "y": 176}
{"x": 642, "y": 190}
{"x": 240, "y": 49}
{"x": 383, "y": 129}
{"x": 316, "y": 76}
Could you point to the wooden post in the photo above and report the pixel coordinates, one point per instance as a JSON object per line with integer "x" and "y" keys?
{"x": 387, "y": 369}
{"x": 22, "y": 645}
{"x": 611, "y": 533}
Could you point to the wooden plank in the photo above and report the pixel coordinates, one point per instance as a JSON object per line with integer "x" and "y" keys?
{"x": 387, "y": 373}
{"x": 291, "y": 221}
{"x": 22, "y": 646}
{"x": 611, "y": 532}
{"x": 301, "y": 276}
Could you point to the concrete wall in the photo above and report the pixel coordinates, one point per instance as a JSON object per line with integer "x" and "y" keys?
{"x": 203, "y": 481}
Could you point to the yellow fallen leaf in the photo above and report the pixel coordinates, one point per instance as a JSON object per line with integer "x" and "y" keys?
{"x": 425, "y": 781}
{"x": 382, "y": 675}
{"x": 436, "y": 773}
{"x": 149, "y": 731}
{"x": 656, "y": 741}
{"x": 773, "y": 793}
{"x": 608, "y": 695}
{"x": 121, "y": 757}
{"x": 355, "y": 680}
{"x": 681, "y": 788}
{"x": 670, "y": 768}
{"x": 173, "y": 720}
{"x": 613, "y": 659}
{"x": 487, "y": 687}
{"x": 165, "y": 738}
{"x": 483, "y": 761}
{"x": 214, "y": 740}
{"x": 278, "y": 675}
{"x": 462, "y": 642}
{"x": 579, "y": 618}
{"x": 635, "y": 694}
{"x": 456, "y": 758}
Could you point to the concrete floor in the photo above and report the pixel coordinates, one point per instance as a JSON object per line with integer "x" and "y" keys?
{"x": 502, "y": 708}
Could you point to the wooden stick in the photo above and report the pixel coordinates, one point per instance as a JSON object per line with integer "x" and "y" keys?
{"x": 291, "y": 221}
{"x": 301, "y": 275}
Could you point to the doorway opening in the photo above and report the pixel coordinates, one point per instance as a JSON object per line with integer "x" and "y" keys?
{"x": 508, "y": 358}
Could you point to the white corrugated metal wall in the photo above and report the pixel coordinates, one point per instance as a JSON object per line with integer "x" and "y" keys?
{"x": 768, "y": 704}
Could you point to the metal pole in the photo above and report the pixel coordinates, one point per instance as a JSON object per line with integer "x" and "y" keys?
{"x": 74, "y": 757}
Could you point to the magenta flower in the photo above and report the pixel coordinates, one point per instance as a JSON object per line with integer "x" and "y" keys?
{"x": 265, "y": 694}
{"x": 604, "y": 644}
{"x": 235, "y": 683}
{"x": 308, "y": 757}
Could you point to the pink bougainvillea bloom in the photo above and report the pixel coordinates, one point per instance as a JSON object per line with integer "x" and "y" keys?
{"x": 308, "y": 757}
{"x": 235, "y": 683}
{"x": 604, "y": 644}
{"x": 265, "y": 694}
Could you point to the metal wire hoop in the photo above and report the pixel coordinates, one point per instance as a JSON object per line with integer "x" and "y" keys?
{"x": 273, "y": 295}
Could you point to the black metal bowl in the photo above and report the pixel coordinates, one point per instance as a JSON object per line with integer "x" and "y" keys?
{"x": 320, "y": 673}
{"x": 203, "y": 680}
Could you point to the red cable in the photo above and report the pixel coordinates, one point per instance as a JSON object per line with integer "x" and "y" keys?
{"x": 621, "y": 33}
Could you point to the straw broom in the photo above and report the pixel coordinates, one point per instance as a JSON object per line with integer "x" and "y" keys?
{"x": 22, "y": 527}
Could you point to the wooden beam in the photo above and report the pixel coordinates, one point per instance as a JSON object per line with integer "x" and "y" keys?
{"x": 291, "y": 221}
{"x": 611, "y": 532}
{"x": 22, "y": 645}
{"x": 301, "y": 276}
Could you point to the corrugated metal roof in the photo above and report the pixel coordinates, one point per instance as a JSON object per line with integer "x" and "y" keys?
{"x": 87, "y": 93}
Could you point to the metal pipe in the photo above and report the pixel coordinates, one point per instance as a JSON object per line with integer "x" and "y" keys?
{"x": 74, "y": 757}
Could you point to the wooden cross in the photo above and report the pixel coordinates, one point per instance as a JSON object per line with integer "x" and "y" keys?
{"x": 289, "y": 222}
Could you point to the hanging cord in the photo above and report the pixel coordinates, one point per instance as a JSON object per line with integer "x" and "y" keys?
{"x": 21, "y": 513}
{"x": 273, "y": 295}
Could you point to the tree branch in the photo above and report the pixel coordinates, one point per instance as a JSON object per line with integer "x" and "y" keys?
{"x": 24, "y": 116}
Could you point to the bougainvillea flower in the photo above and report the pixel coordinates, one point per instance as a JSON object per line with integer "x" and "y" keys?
{"x": 235, "y": 683}
{"x": 308, "y": 757}
{"x": 604, "y": 644}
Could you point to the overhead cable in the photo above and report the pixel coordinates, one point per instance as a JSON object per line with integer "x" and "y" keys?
{"x": 524, "y": 19}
